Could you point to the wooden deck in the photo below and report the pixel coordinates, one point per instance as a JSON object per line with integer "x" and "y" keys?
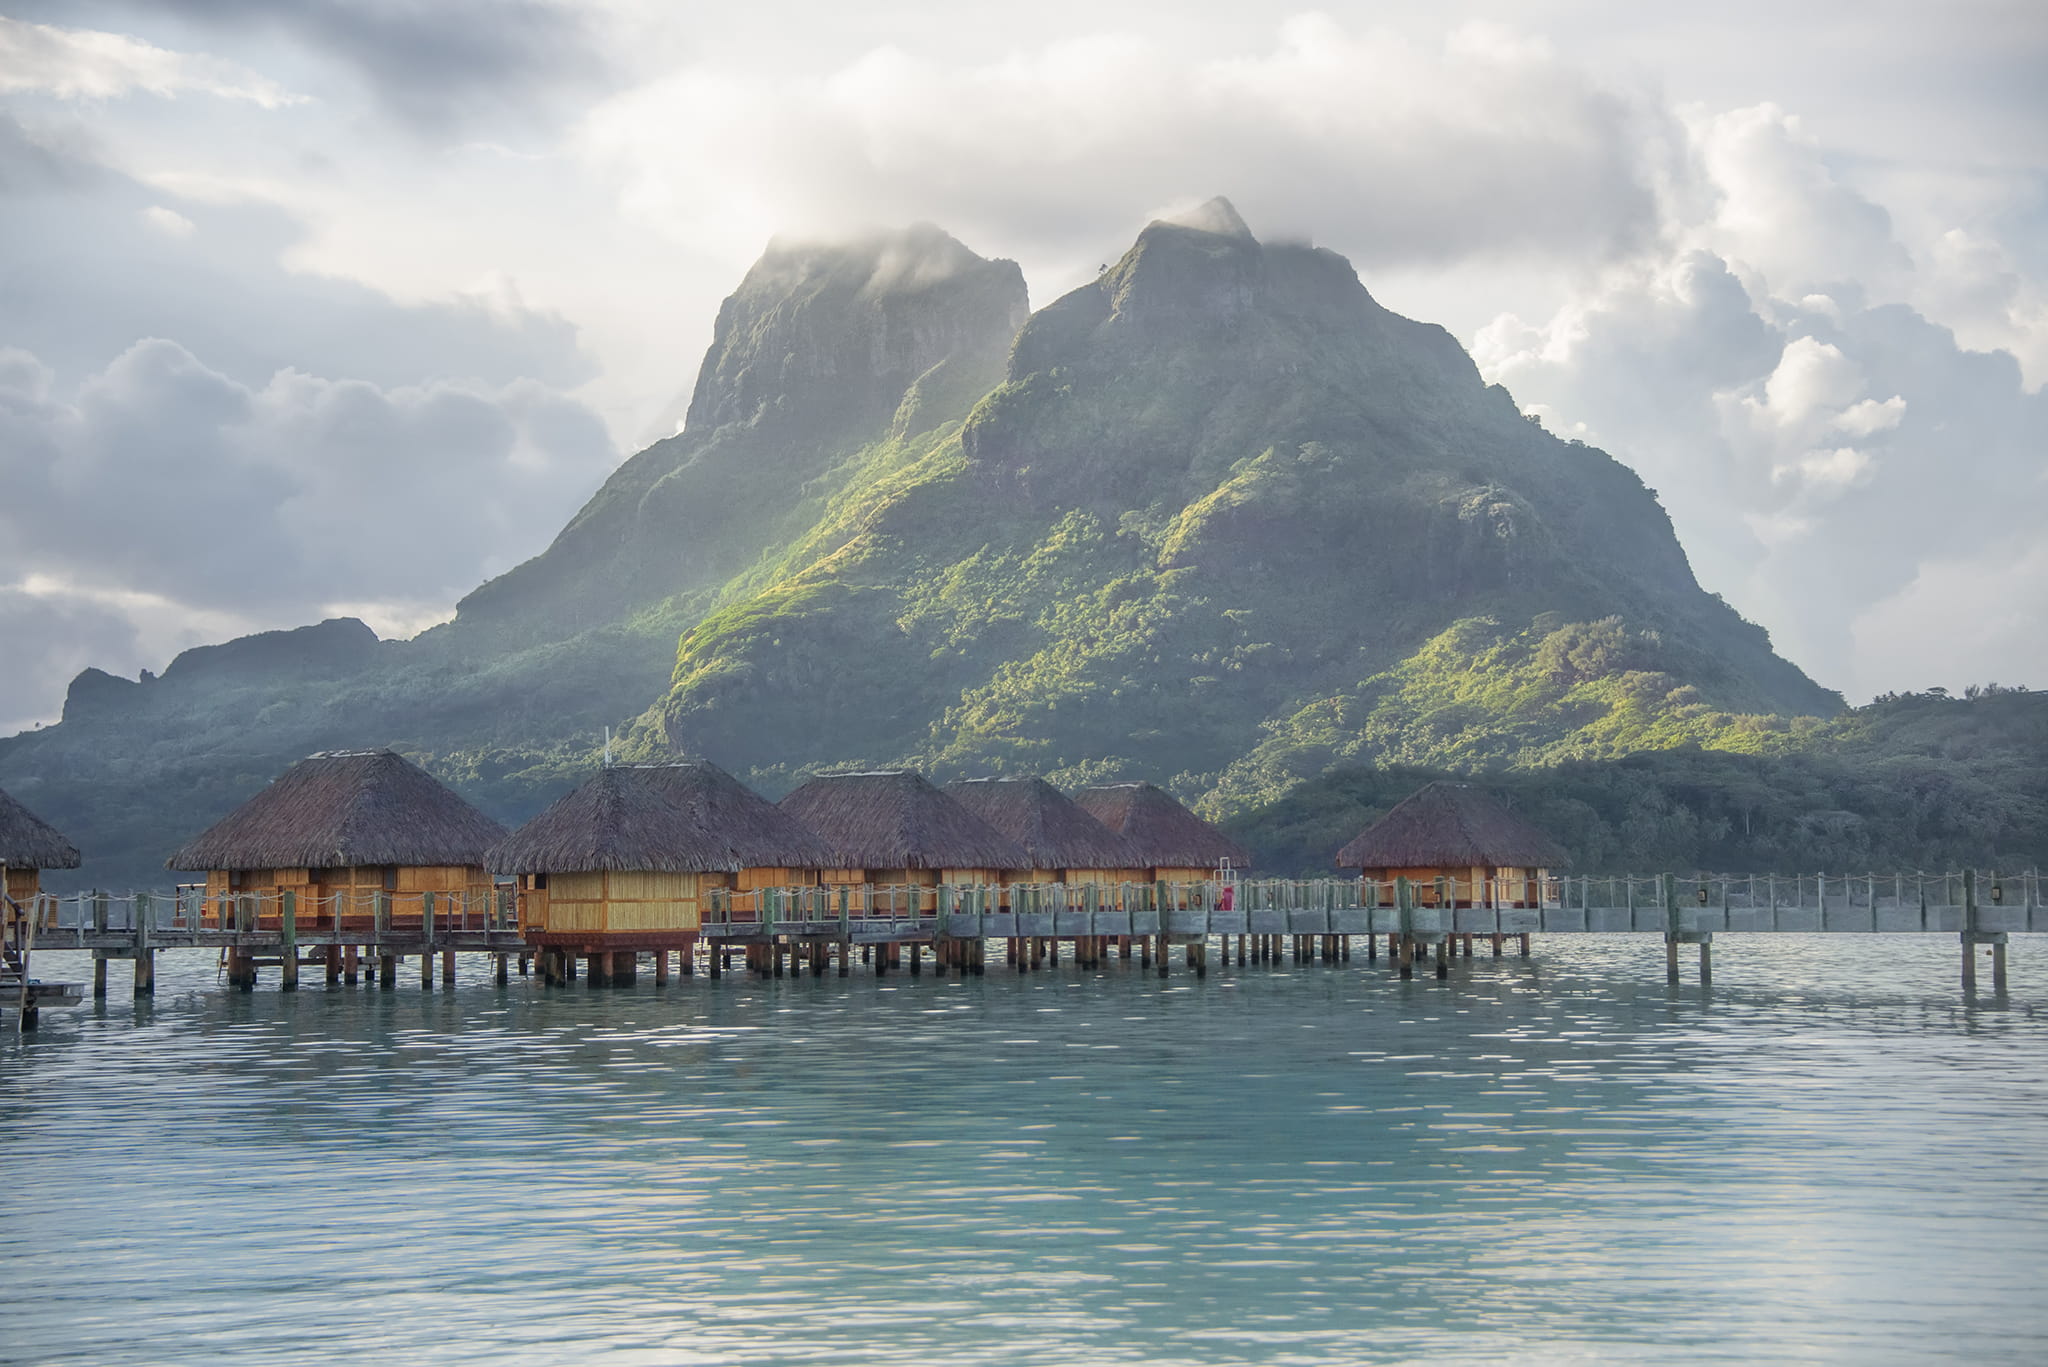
{"x": 808, "y": 928}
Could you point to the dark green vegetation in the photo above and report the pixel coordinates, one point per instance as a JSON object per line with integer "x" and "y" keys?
{"x": 1216, "y": 519}
{"x": 1921, "y": 781}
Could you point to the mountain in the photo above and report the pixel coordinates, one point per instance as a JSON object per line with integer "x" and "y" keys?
{"x": 1216, "y": 518}
{"x": 1220, "y": 491}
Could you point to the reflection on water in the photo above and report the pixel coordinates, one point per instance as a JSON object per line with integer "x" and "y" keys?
{"x": 1831, "y": 1157}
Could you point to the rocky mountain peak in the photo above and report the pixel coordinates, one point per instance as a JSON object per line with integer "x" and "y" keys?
{"x": 835, "y": 332}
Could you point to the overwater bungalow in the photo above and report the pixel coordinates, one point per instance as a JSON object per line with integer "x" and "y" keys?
{"x": 28, "y": 845}
{"x": 627, "y": 861}
{"x": 1064, "y": 843}
{"x": 892, "y": 828}
{"x": 348, "y": 832}
{"x": 1457, "y": 846}
{"x": 1173, "y": 845}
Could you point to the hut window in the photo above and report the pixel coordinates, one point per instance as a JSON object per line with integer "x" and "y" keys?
{"x": 390, "y": 878}
{"x": 540, "y": 882}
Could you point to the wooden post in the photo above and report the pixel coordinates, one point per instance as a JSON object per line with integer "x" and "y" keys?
{"x": 387, "y": 970}
{"x": 1404, "y": 905}
{"x": 660, "y": 968}
{"x": 1668, "y": 885}
{"x": 447, "y": 968}
{"x": 504, "y": 968}
{"x": 288, "y": 922}
{"x": 426, "y": 970}
{"x": 1706, "y": 961}
{"x": 1969, "y": 930}
{"x": 1998, "y": 966}
{"x": 352, "y": 964}
{"x": 99, "y": 977}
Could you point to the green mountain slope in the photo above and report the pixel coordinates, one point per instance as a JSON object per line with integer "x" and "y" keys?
{"x": 1220, "y": 492}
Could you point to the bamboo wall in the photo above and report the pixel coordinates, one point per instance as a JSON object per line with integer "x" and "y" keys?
{"x": 1512, "y": 887}
{"x": 609, "y": 903}
{"x": 23, "y": 884}
{"x": 353, "y": 891}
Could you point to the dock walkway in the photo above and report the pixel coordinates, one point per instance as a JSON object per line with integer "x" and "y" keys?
{"x": 1258, "y": 919}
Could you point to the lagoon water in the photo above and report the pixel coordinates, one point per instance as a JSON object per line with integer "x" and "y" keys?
{"x": 1830, "y": 1158}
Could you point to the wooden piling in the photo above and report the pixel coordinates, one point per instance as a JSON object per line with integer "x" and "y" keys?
{"x": 99, "y": 978}
{"x": 145, "y": 973}
{"x": 426, "y": 970}
{"x": 1706, "y": 961}
{"x": 447, "y": 968}
{"x": 504, "y": 968}
{"x": 661, "y": 968}
{"x": 387, "y": 970}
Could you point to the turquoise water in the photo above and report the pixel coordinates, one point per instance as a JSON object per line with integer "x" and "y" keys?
{"x": 1831, "y": 1158}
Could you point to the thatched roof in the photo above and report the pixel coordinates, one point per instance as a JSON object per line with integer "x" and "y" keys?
{"x": 759, "y": 834}
{"x": 29, "y": 842}
{"x": 896, "y": 820}
{"x": 1166, "y": 834}
{"x": 1052, "y": 827}
{"x": 346, "y": 809}
{"x": 618, "y": 821}
{"x": 1451, "y": 826}
{"x": 661, "y": 818}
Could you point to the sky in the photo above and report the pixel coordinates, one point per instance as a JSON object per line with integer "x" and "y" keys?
{"x": 323, "y": 307}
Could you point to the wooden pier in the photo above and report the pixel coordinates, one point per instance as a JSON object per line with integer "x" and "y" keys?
{"x": 773, "y": 931}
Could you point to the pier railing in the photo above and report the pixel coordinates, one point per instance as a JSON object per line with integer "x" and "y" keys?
{"x": 1950, "y": 902}
{"x": 191, "y": 913}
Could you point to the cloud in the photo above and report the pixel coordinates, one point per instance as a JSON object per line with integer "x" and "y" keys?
{"x": 275, "y": 500}
{"x": 1837, "y": 464}
{"x": 1483, "y": 143}
{"x": 433, "y": 66}
{"x": 93, "y": 260}
{"x": 169, "y": 222}
{"x": 82, "y": 64}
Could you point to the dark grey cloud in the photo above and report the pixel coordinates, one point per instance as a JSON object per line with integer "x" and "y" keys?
{"x": 434, "y": 65}
{"x": 166, "y": 477}
{"x": 92, "y": 261}
{"x": 47, "y": 640}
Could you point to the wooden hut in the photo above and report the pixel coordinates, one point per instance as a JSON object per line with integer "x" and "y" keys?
{"x": 1064, "y": 843}
{"x": 28, "y": 845}
{"x": 893, "y": 828}
{"x": 1172, "y": 844}
{"x": 1458, "y": 847}
{"x": 348, "y": 831}
{"x": 625, "y": 862}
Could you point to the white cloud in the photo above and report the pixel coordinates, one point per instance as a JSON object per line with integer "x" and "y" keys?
{"x": 83, "y": 64}
{"x": 1833, "y": 460}
{"x": 1482, "y": 143}
{"x": 169, "y": 222}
